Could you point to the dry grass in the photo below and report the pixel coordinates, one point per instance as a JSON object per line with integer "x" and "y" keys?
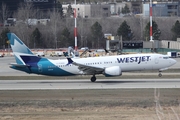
{"x": 124, "y": 104}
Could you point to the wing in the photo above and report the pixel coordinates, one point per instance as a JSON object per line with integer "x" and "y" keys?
{"x": 86, "y": 69}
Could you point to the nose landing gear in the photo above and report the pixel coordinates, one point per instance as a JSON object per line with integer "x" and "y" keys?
{"x": 160, "y": 74}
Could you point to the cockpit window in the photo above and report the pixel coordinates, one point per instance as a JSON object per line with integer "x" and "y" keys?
{"x": 165, "y": 57}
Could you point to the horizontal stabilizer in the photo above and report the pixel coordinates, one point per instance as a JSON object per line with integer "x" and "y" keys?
{"x": 18, "y": 65}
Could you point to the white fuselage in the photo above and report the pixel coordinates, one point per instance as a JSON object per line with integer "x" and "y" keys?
{"x": 133, "y": 62}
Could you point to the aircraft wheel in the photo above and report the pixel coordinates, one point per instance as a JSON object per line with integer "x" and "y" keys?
{"x": 160, "y": 75}
{"x": 93, "y": 79}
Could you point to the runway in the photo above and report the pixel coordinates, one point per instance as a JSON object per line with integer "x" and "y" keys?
{"x": 86, "y": 84}
{"x": 82, "y": 83}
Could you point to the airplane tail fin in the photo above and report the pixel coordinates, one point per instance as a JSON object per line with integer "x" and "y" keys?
{"x": 22, "y": 53}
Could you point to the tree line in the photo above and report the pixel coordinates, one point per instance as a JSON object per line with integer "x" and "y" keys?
{"x": 58, "y": 33}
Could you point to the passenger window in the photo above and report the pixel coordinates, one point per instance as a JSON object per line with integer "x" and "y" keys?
{"x": 165, "y": 57}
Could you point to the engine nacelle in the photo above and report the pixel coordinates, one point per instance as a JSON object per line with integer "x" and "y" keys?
{"x": 113, "y": 71}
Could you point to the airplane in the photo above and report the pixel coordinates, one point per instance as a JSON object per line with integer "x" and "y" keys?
{"x": 107, "y": 65}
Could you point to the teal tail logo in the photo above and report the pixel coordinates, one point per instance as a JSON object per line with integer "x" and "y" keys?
{"x": 18, "y": 48}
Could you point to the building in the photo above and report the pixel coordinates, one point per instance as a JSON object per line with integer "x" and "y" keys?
{"x": 37, "y": 21}
{"x": 163, "y": 9}
{"x": 100, "y": 10}
{"x": 116, "y": 8}
{"x": 149, "y": 0}
{"x": 83, "y": 10}
{"x": 96, "y": 10}
{"x": 40, "y": 4}
{"x": 10, "y": 22}
{"x": 136, "y": 7}
{"x": 90, "y": 10}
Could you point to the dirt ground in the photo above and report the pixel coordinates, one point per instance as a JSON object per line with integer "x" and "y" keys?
{"x": 103, "y": 104}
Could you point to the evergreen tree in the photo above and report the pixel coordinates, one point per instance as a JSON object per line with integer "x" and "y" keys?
{"x": 119, "y": 11}
{"x": 4, "y": 39}
{"x": 176, "y": 30}
{"x": 69, "y": 11}
{"x": 155, "y": 31}
{"x": 125, "y": 10}
{"x": 36, "y": 39}
{"x": 97, "y": 35}
{"x": 125, "y": 31}
{"x": 59, "y": 8}
{"x": 65, "y": 39}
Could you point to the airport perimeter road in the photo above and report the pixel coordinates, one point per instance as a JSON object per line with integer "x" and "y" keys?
{"x": 86, "y": 84}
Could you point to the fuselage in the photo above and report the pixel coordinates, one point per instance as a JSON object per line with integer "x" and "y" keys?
{"x": 133, "y": 62}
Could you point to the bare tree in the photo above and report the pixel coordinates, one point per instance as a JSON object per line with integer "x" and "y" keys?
{"x": 51, "y": 32}
{"x": 23, "y": 15}
{"x": 47, "y": 36}
{"x": 26, "y": 11}
{"x": 4, "y": 12}
{"x": 55, "y": 20}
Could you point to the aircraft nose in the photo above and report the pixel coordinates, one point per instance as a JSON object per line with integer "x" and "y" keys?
{"x": 173, "y": 61}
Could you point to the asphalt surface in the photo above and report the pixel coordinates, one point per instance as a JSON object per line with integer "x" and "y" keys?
{"x": 86, "y": 84}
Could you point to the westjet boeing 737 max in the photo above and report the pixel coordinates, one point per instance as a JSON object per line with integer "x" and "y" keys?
{"x": 107, "y": 65}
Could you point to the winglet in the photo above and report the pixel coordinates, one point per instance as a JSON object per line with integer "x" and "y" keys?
{"x": 70, "y": 61}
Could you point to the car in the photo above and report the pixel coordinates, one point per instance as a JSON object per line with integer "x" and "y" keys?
{"x": 84, "y": 48}
{"x": 40, "y": 54}
{"x": 100, "y": 50}
{"x": 2, "y": 55}
{"x": 56, "y": 53}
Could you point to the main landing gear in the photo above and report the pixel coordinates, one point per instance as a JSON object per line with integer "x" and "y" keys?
{"x": 160, "y": 74}
{"x": 93, "y": 78}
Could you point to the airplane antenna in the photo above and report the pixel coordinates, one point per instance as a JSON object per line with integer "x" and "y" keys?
{"x": 75, "y": 28}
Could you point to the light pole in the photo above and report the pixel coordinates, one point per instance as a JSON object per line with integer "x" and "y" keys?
{"x": 75, "y": 27}
{"x": 150, "y": 13}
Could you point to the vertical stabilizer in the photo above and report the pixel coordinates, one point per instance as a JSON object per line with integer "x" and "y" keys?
{"x": 19, "y": 48}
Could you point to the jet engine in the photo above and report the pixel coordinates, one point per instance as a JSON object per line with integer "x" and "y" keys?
{"x": 113, "y": 71}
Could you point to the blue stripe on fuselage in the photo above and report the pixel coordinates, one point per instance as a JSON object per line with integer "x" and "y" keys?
{"x": 44, "y": 66}
{"x": 48, "y": 68}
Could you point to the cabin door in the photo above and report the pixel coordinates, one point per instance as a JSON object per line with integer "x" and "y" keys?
{"x": 156, "y": 61}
